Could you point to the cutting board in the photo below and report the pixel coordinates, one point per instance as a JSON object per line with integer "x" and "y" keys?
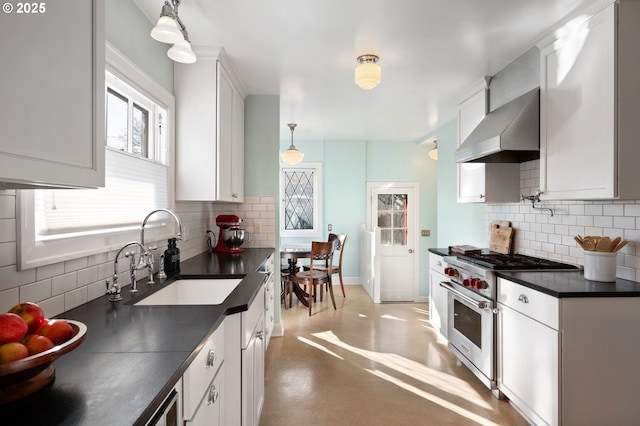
{"x": 501, "y": 236}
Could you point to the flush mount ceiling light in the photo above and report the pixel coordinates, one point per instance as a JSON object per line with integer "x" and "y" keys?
{"x": 170, "y": 29}
{"x": 368, "y": 72}
{"x": 292, "y": 155}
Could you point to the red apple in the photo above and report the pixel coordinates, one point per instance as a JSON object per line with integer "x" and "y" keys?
{"x": 12, "y": 351}
{"x": 58, "y": 330}
{"x": 31, "y": 313}
{"x": 36, "y": 343}
{"x": 12, "y": 328}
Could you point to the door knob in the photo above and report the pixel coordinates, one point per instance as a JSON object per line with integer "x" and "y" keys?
{"x": 410, "y": 250}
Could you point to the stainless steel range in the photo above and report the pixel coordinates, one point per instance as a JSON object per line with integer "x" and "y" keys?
{"x": 472, "y": 305}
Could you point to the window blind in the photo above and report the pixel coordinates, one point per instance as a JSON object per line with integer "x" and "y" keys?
{"x": 134, "y": 186}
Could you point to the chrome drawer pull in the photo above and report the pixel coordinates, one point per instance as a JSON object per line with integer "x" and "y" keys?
{"x": 524, "y": 299}
{"x": 213, "y": 395}
{"x": 211, "y": 359}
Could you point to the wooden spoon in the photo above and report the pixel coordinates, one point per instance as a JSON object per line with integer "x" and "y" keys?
{"x": 619, "y": 246}
{"x": 589, "y": 244}
{"x": 603, "y": 244}
{"x": 614, "y": 243}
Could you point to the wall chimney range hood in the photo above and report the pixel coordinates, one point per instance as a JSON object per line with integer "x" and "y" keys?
{"x": 509, "y": 134}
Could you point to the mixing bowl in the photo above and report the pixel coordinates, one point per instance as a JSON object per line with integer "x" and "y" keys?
{"x": 233, "y": 237}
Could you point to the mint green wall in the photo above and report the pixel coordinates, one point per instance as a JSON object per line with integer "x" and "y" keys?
{"x": 128, "y": 29}
{"x": 457, "y": 223}
{"x": 261, "y": 139}
{"x": 348, "y": 166}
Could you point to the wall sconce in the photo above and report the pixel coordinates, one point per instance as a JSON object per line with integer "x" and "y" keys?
{"x": 292, "y": 155}
{"x": 433, "y": 154}
{"x": 368, "y": 72}
{"x": 170, "y": 29}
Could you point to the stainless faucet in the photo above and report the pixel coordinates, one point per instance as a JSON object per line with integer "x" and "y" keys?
{"x": 114, "y": 290}
{"x": 150, "y": 260}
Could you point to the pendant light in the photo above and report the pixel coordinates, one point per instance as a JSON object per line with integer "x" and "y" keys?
{"x": 368, "y": 72}
{"x": 292, "y": 155}
{"x": 170, "y": 29}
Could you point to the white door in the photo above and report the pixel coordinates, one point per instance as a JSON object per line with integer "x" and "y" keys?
{"x": 394, "y": 211}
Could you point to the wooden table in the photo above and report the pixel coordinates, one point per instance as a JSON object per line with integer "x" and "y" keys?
{"x": 292, "y": 254}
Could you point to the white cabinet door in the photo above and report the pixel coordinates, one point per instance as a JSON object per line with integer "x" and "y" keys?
{"x": 528, "y": 360}
{"x": 471, "y": 176}
{"x": 209, "y": 133}
{"x": 577, "y": 112}
{"x": 225, "y": 135}
{"x": 438, "y": 296}
{"x": 52, "y": 89}
{"x": 237, "y": 149}
{"x": 253, "y": 377}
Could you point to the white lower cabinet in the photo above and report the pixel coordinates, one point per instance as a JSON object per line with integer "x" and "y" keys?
{"x": 528, "y": 367}
{"x": 569, "y": 361}
{"x": 244, "y": 364}
{"x": 437, "y": 295}
{"x": 202, "y": 383}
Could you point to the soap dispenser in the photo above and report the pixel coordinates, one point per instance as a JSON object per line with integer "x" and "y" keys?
{"x": 172, "y": 258}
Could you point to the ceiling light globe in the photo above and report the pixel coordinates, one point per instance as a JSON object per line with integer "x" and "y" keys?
{"x": 292, "y": 156}
{"x": 368, "y": 75}
{"x": 167, "y": 31}
{"x": 182, "y": 52}
{"x": 433, "y": 154}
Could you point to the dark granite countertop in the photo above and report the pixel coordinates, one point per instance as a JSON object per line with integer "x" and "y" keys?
{"x": 572, "y": 284}
{"x": 565, "y": 284}
{"x": 133, "y": 355}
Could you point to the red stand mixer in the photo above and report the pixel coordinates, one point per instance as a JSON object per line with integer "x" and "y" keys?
{"x": 231, "y": 236}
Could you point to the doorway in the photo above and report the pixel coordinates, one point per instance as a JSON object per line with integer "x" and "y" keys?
{"x": 393, "y": 209}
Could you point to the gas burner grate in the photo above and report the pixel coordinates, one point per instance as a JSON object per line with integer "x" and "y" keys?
{"x": 499, "y": 261}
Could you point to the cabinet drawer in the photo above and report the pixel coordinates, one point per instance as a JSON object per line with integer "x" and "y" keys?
{"x": 251, "y": 317}
{"x": 209, "y": 412}
{"x": 201, "y": 371}
{"x": 436, "y": 263}
{"x": 534, "y": 304}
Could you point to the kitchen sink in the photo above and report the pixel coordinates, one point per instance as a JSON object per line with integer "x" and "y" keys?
{"x": 192, "y": 292}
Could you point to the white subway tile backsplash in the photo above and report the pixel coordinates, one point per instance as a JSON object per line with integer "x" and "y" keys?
{"x": 64, "y": 283}
{"x": 53, "y": 306}
{"x": 35, "y": 292}
{"x": 75, "y": 298}
{"x": 540, "y": 234}
{"x": 7, "y": 230}
{"x": 7, "y": 206}
{"x": 7, "y": 254}
{"x": 49, "y": 271}
{"x": 8, "y": 299}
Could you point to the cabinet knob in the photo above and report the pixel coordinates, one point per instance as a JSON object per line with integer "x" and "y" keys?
{"x": 481, "y": 196}
{"x": 522, "y": 298}
{"x": 260, "y": 334}
{"x": 211, "y": 359}
{"x": 213, "y": 395}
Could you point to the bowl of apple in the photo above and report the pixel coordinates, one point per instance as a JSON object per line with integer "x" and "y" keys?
{"x": 29, "y": 344}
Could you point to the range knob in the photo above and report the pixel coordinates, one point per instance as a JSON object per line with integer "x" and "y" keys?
{"x": 450, "y": 272}
{"x": 479, "y": 284}
{"x": 467, "y": 282}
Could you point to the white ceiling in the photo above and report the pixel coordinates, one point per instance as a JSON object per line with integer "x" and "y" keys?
{"x": 431, "y": 52}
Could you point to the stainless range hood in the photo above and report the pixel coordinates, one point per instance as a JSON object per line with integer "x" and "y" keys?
{"x": 509, "y": 134}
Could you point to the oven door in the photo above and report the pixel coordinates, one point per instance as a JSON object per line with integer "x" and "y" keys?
{"x": 471, "y": 330}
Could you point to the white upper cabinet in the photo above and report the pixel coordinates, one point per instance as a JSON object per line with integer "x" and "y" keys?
{"x": 479, "y": 182}
{"x": 589, "y": 103}
{"x": 52, "y": 93}
{"x": 209, "y": 132}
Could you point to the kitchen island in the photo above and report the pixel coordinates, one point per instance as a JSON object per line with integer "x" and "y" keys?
{"x": 134, "y": 355}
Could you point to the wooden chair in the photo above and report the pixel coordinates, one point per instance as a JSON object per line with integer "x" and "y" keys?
{"x": 340, "y": 240}
{"x": 321, "y": 254}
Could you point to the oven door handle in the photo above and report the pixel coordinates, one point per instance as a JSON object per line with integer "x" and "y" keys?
{"x": 478, "y": 304}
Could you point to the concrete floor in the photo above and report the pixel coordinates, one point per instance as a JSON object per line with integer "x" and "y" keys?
{"x": 371, "y": 364}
